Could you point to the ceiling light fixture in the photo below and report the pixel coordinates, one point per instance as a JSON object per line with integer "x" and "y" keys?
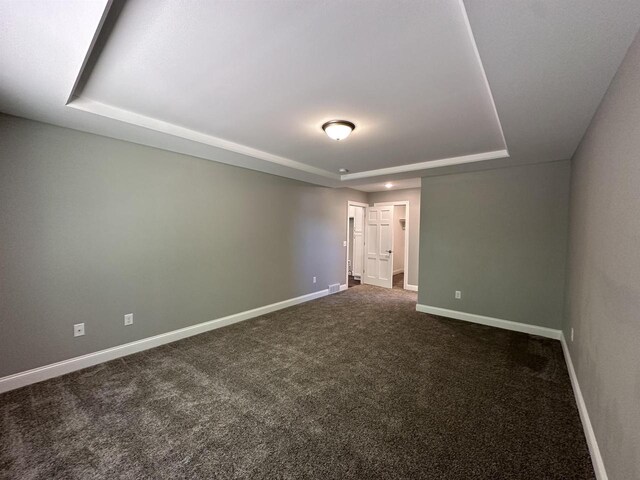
{"x": 338, "y": 129}
{"x": 343, "y": 170}
{"x": 388, "y": 185}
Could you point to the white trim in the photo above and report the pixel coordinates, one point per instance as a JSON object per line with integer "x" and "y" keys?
{"x": 346, "y": 254}
{"x": 492, "y": 322}
{"x": 87, "y": 56}
{"x": 98, "y": 108}
{"x": 356, "y": 204}
{"x": 344, "y": 287}
{"x": 592, "y": 443}
{"x": 39, "y": 374}
{"x": 126, "y": 116}
{"x": 443, "y": 162}
{"x": 413, "y": 288}
{"x": 399, "y": 270}
{"x": 407, "y": 226}
{"x": 132, "y": 118}
{"x": 484, "y": 73}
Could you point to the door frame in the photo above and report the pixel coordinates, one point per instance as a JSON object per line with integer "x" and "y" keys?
{"x": 377, "y": 252}
{"x": 348, "y": 245}
{"x": 406, "y": 235}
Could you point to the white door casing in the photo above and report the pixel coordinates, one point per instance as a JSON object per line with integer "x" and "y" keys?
{"x": 357, "y": 244}
{"x": 407, "y": 266}
{"x": 358, "y": 241}
{"x": 378, "y": 268}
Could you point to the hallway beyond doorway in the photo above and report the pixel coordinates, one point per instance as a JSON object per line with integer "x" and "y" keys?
{"x": 398, "y": 281}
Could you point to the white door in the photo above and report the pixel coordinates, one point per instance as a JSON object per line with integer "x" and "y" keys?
{"x": 378, "y": 268}
{"x": 358, "y": 241}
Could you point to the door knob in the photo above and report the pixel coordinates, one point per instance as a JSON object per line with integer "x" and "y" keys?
{"x": 388, "y": 251}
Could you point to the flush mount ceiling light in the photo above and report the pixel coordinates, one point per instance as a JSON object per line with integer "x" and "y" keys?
{"x": 343, "y": 170}
{"x": 388, "y": 185}
{"x": 338, "y": 129}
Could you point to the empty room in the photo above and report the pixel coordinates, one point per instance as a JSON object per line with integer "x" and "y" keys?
{"x": 320, "y": 239}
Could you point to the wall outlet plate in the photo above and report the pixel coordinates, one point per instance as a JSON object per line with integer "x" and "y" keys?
{"x": 128, "y": 319}
{"x": 314, "y": 279}
{"x": 78, "y": 330}
{"x": 458, "y": 294}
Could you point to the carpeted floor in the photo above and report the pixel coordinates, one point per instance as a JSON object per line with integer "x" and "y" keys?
{"x": 354, "y": 385}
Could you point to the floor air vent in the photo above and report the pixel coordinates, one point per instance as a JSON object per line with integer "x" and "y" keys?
{"x": 334, "y": 288}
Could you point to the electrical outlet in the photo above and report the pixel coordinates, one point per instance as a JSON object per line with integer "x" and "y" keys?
{"x": 128, "y": 319}
{"x": 344, "y": 244}
{"x": 458, "y": 294}
{"x": 314, "y": 279}
{"x": 78, "y": 330}
{"x": 572, "y": 334}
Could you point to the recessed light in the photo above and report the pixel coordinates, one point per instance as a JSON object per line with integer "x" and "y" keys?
{"x": 343, "y": 170}
{"x": 338, "y": 129}
{"x": 388, "y": 185}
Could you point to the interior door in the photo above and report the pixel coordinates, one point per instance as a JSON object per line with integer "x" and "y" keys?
{"x": 378, "y": 247}
{"x": 358, "y": 241}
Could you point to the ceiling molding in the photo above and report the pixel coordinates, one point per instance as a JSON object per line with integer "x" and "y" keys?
{"x": 97, "y": 36}
{"x": 463, "y": 9}
{"x": 112, "y": 11}
{"x": 108, "y": 111}
{"x": 443, "y": 162}
{"x": 133, "y": 118}
{"x": 55, "y": 51}
{"x": 396, "y": 185}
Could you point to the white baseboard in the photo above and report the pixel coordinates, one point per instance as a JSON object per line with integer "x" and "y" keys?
{"x": 492, "y": 322}
{"x": 343, "y": 287}
{"x": 46, "y": 372}
{"x": 413, "y": 288}
{"x": 400, "y": 270}
{"x": 594, "y": 450}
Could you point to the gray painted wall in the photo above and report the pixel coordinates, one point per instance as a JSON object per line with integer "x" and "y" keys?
{"x": 500, "y": 237}
{"x": 413, "y": 196}
{"x": 92, "y": 228}
{"x": 603, "y": 295}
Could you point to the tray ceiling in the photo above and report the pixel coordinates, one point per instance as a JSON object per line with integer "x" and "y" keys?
{"x": 250, "y": 83}
{"x": 260, "y": 78}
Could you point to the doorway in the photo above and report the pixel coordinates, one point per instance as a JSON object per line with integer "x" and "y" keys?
{"x": 401, "y": 265}
{"x": 378, "y": 244}
{"x": 356, "y": 213}
{"x": 399, "y": 233}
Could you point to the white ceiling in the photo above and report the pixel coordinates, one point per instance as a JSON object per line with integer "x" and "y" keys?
{"x": 267, "y": 75}
{"x": 549, "y": 64}
{"x": 395, "y": 185}
{"x": 250, "y": 83}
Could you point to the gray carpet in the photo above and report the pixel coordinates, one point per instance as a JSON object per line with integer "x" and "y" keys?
{"x": 355, "y": 385}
